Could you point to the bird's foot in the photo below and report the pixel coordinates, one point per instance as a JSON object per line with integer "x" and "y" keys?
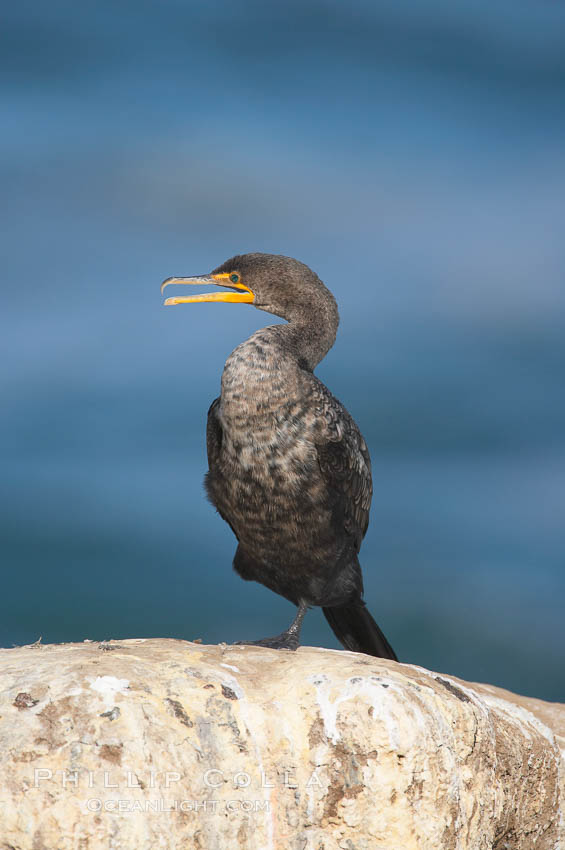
{"x": 286, "y": 640}
{"x": 289, "y": 639}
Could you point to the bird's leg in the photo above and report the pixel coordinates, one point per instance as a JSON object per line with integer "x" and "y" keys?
{"x": 289, "y": 639}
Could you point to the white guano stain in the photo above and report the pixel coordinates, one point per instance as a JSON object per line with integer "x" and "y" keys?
{"x": 521, "y": 716}
{"x": 371, "y": 689}
{"x": 329, "y": 709}
{"x": 243, "y": 709}
{"x": 477, "y": 700}
{"x": 231, "y": 682}
{"x": 108, "y": 687}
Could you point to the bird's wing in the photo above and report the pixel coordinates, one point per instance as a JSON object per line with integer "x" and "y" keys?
{"x": 214, "y": 437}
{"x": 344, "y": 461}
{"x": 213, "y": 434}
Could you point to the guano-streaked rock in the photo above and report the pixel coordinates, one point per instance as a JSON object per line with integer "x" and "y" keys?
{"x": 143, "y": 744}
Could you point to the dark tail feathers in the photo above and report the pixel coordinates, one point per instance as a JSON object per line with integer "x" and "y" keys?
{"x": 356, "y": 630}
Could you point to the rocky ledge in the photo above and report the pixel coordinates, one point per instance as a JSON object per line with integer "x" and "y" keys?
{"x": 145, "y": 744}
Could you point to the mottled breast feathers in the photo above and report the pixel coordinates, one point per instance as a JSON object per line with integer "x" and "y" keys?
{"x": 343, "y": 458}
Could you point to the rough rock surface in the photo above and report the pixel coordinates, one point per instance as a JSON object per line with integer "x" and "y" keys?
{"x": 145, "y": 744}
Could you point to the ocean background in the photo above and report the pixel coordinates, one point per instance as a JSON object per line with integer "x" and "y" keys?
{"x": 414, "y": 157}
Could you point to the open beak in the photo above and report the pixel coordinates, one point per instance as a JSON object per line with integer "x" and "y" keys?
{"x": 234, "y": 292}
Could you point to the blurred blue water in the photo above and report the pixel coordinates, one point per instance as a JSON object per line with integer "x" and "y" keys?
{"x": 415, "y": 159}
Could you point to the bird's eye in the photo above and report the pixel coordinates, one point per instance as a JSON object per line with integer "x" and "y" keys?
{"x": 234, "y": 278}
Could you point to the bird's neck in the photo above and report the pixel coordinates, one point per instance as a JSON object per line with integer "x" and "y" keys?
{"x": 264, "y": 371}
{"x": 282, "y": 348}
{"x": 309, "y": 333}
{"x": 306, "y": 341}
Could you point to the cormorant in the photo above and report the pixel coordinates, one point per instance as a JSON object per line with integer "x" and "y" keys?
{"x": 288, "y": 467}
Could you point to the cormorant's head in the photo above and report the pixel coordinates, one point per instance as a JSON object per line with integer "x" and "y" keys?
{"x": 271, "y": 282}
